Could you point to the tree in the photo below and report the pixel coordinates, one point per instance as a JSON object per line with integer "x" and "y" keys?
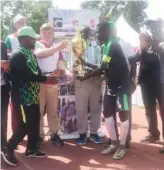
{"x": 133, "y": 11}
{"x": 135, "y": 14}
{"x": 36, "y": 13}
{"x": 105, "y": 7}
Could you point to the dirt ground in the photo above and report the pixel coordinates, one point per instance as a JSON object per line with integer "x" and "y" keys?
{"x": 141, "y": 156}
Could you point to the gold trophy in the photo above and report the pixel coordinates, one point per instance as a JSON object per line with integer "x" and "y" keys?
{"x": 78, "y": 49}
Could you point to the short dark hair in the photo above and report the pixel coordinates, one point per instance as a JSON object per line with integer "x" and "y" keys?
{"x": 107, "y": 25}
{"x": 85, "y": 28}
{"x": 103, "y": 25}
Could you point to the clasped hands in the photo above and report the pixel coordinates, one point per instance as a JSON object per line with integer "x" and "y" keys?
{"x": 57, "y": 74}
{"x": 53, "y": 76}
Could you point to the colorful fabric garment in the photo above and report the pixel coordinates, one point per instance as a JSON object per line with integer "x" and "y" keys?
{"x": 25, "y": 76}
{"x": 29, "y": 90}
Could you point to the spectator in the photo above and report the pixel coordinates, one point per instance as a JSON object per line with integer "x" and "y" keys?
{"x": 5, "y": 88}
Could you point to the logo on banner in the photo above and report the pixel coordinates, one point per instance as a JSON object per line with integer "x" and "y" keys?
{"x": 75, "y": 22}
{"x": 57, "y": 22}
{"x": 91, "y": 23}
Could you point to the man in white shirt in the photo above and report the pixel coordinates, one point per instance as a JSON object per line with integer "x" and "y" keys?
{"x": 11, "y": 41}
{"x": 48, "y": 57}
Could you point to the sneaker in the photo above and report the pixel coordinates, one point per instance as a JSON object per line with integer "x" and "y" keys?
{"x": 120, "y": 153}
{"x": 150, "y": 139}
{"x": 95, "y": 138}
{"x": 109, "y": 150}
{"x": 57, "y": 140}
{"x": 8, "y": 157}
{"x": 35, "y": 154}
{"x": 82, "y": 139}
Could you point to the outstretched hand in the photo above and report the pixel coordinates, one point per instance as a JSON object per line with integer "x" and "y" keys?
{"x": 64, "y": 44}
{"x": 84, "y": 77}
{"x": 51, "y": 78}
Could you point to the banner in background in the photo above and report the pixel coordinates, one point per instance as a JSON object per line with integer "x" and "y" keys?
{"x": 65, "y": 21}
{"x": 67, "y": 112}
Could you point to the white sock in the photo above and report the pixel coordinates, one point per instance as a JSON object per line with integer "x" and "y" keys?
{"x": 111, "y": 128}
{"x": 124, "y": 128}
{"x": 107, "y": 134}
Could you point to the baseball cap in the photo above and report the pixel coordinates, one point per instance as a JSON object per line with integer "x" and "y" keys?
{"x": 27, "y": 31}
{"x": 18, "y": 18}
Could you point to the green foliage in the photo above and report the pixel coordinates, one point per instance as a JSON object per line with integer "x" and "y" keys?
{"x": 135, "y": 15}
{"x": 36, "y": 13}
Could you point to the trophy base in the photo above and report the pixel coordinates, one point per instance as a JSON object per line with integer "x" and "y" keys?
{"x": 81, "y": 73}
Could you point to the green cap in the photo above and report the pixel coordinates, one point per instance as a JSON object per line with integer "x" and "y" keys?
{"x": 27, "y": 31}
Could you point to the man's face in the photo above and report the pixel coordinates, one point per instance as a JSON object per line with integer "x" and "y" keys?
{"x": 86, "y": 33}
{"x": 21, "y": 23}
{"x": 30, "y": 43}
{"x": 100, "y": 34}
{"x": 47, "y": 36}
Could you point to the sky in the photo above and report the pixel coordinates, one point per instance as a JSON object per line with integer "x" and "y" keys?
{"x": 154, "y": 9}
{"x": 73, "y": 4}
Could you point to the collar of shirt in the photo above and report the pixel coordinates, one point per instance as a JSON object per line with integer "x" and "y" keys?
{"x": 15, "y": 34}
{"x": 42, "y": 42}
{"x": 25, "y": 51}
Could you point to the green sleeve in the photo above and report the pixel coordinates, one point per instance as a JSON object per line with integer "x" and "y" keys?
{"x": 8, "y": 43}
